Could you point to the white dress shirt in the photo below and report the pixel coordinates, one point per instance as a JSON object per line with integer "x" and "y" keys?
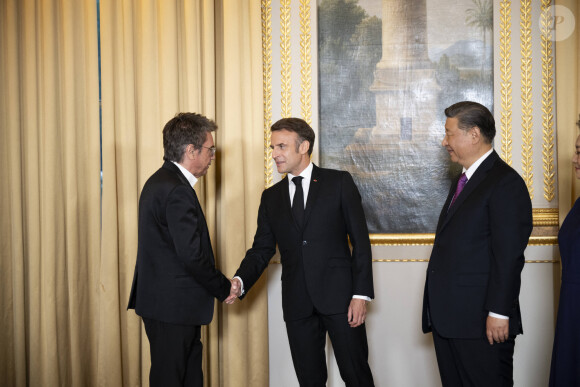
{"x": 188, "y": 175}
{"x": 307, "y": 175}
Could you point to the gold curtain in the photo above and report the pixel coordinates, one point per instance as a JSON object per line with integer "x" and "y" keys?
{"x": 160, "y": 58}
{"x": 568, "y": 109}
{"x": 50, "y": 198}
{"x": 244, "y": 325}
{"x": 66, "y": 268}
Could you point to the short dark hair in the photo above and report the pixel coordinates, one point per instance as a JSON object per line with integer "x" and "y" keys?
{"x": 182, "y": 130}
{"x": 470, "y": 114}
{"x": 298, "y": 126}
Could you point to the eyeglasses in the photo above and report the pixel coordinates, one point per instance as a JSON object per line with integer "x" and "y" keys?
{"x": 212, "y": 149}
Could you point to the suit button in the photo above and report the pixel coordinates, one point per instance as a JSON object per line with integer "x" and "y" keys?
{"x": 304, "y": 243}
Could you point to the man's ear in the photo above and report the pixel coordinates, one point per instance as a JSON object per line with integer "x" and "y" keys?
{"x": 475, "y": 134}
{"x": 190, "y": 152}
{"x": 304, "y": 146}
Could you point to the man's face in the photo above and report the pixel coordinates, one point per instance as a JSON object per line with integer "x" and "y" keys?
{"x": 576, "y": 158}
{"x": 459, "y": 143}
{"x": 288, "y": 159}
{"x": 202, "y": 157}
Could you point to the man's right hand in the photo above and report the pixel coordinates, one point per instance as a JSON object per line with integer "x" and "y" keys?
{"x": 235, "y": 291}
{"x": 497, "y": 329}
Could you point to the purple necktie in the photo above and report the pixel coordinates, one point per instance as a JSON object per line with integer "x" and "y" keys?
{"x": 460, "y": 184}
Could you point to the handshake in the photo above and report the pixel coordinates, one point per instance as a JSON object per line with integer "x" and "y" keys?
{"x": 235, "y": 291}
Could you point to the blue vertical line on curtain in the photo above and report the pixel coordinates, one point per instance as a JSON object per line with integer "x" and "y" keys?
{"x": 100, "y": 101}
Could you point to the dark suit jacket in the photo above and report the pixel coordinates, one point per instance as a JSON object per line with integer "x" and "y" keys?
{"x": 318, "y": 268}
{"x": 478, "y": 254}
{"x": 175, "y": 277}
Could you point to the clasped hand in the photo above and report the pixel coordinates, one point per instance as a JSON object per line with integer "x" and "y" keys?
{"x": 235, "y": 291}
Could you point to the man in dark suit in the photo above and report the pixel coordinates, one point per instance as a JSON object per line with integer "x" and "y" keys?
{"x": 311, "y": 214}
{"x": 175, "y": 278}
{"x": 473, "y": 279}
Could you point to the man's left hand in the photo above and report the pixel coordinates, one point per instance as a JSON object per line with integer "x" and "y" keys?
{"x": 497, "y": 329}
{"x": 357, "y": 312}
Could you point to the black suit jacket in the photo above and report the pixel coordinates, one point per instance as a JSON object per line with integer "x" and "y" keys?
{"x": 318, "y": 268}
{"x": 478, "y": 254}
{"x": 175, "y": 277}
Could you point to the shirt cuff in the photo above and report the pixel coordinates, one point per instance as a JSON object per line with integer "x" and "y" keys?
{"x": 491, "y": 314}
{"x": 242, "y": 283}
{"x": 360, "y": 297}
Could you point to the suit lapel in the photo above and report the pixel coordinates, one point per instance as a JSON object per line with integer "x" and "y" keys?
{"x": 444, "y": 211}
{"x": 312, "y": 192}
{"x": 471, "y": 185}
{"x": 169, "y": 165}
{"x": 203, "y": 222}
{"x": 172, "y": 167}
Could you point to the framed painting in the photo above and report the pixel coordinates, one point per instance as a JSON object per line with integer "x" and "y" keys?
{"x": 387, "y": 69}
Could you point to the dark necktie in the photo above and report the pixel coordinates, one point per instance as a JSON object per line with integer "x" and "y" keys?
{"x": 298, "y": 201}
{"x": 460, "y": 184}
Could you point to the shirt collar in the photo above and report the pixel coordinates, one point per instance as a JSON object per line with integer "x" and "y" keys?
{"x": 306, "y": 173}
{"x": 188, "y": 175}
{"x": 471, "y": 170}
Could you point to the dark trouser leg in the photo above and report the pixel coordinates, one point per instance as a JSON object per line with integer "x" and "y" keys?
{"x": 307, "y": 339}
{"x": 446, "y": 362}
{"x": 486, "y": 365}
{"x": 474, "y": 362}
{"x": 193, "y": 372}
{"x": 350, "y": 349}
{"x": 175, "y": 354}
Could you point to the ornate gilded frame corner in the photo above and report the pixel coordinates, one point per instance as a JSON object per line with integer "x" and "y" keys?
{"x": 546, "y": 217}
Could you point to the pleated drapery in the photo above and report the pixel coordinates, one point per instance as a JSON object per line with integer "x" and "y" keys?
{"x": 68, "y": 253}
{"x": 50, "y": 199}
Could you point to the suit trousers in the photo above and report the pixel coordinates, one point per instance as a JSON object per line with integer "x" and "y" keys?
{"x": 176, "y": 354}
{"x": 474, "y": 362}
{"x": 307, "y": 338}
